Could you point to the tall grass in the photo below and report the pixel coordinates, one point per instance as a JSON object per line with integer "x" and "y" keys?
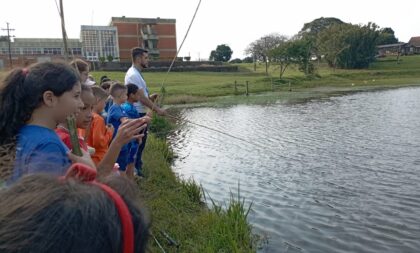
{"x": 177, "y": 210}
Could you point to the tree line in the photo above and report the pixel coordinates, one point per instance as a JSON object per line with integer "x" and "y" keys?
{"x": 340, "y": 44}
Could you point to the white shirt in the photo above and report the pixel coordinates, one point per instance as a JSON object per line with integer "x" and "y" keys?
{"x": 134, "y": 76}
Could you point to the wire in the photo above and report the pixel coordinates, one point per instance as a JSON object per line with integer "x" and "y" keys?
{"x": 179, "y": 49}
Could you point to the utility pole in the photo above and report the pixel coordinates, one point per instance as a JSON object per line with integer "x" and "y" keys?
{"x": 9, "y": 41}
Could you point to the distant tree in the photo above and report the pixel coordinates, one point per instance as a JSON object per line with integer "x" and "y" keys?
{"x": 386, "y": 36}
{"x": 300, "y": 51}
{"x": 283, "y": 56}
{"x": 362, "y": 41}
{"x": 187, "y": 58}
{"x": 260, "y": 48}
{"x": 311, "y": 31}
{"x": 318, "y": 25}
{"x": 222, "y": 53}
{"x": 247, "y": 59}
{"x": 332, "y": 42}
{"x": 102, "y": 59}
{"x": 236, "y": 60}
{"x": 110, "y": 58}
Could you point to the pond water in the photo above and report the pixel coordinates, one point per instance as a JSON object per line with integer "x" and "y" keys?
{"x": 340, "y": 174}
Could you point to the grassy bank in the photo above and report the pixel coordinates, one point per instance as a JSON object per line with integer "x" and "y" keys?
{"x": 194, "y": 87}
{"x": 181, "y": 222}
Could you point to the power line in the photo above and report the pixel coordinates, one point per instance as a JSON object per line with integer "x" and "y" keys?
{"x": 9, "y": 42}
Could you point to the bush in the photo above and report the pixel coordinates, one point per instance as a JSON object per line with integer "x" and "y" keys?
{"x": 236, "y": 60}
{"x": 248, "y": 59}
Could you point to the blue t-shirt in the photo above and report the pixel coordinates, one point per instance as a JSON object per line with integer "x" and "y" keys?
{"x": 130, "y": 110}
{"x": 115, "y": 114}
{"x": 39, "y": 150}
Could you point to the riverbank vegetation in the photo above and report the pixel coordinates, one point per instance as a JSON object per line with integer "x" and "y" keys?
{"x": 181, "y": 222}
{"x": 195, "y": 87}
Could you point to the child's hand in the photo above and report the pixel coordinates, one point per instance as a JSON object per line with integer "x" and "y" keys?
{"x": 153, "y": 97}
{"x": 110, "y": 128}
{"x": 130, "y": 130}
{"x": 85, "y": 159}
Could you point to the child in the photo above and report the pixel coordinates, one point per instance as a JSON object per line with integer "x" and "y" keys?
{"x": 133, "y": 93}
{"x": 82, "y": 68}
{"x": 100, "y": 135}
{"x": 106, "y": 85}
{"x": 116, "y": 116}
{"x": 83, "y": 119}
{"x": 74, "y": 214}
{"x": 33, "y": 101}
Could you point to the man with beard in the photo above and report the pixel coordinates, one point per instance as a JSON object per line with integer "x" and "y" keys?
{"x": 140, "y": 60}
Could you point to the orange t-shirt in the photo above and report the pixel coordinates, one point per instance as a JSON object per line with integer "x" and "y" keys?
{"x": 99, "y": 137}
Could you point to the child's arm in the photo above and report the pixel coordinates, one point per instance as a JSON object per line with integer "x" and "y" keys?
{"x": 128, "y": 130}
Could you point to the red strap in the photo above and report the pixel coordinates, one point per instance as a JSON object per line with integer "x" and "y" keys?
{"x": 87, "y": 174}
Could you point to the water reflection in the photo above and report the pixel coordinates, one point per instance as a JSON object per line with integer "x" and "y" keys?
{"x": 335, "y": 175}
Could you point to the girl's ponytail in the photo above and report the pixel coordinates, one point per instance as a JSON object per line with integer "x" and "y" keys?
{"x": 12, "y": 118}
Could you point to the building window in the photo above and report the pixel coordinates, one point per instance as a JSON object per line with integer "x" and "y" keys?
{"x": 53, "y": 51}
{"x": 76, "y": 51}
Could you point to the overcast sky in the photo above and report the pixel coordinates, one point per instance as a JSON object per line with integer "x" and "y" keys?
{"x": 233, "y": 22}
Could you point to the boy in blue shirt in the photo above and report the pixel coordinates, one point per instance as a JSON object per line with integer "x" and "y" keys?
{"x": 116, "y": 115}
{"x": 133, "y": 93}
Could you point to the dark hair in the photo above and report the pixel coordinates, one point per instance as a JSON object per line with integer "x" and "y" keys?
{"x": 79, "y": 64}
{"x": 115, "y": 87}
{"x": 136, "y": 52}
{"x": 131, "y": 89}
{"x": 99, "y": 93}
{"x": 106, "y": 85}
{"x": 45, "y": 214}
{"x": 104, "y": 79}
{"x": 21, "y": 93}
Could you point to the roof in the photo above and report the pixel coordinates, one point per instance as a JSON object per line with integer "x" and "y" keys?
{"x": 391, "y": 45}
{"x": 124, "y": 19}
{"x": 415, "y": 41}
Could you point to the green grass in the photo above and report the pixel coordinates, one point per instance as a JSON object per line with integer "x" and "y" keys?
{"x": 178, "y": 213}
{"x": 195, "y": 87}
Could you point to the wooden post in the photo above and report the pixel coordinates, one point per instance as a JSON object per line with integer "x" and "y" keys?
{"x": 272, "y": 85}
{"x": 236, "y": 88}
{"x": 247, "y": 90}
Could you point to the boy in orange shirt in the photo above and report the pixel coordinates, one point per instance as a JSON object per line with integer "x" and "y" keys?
{"x": 100, "y": 135}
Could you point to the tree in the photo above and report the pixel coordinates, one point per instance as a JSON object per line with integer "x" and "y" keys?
{"x": 300, "y": 51}
{"x": 362, "y": 41}
{"x": 110, "y": 58}
{"x": 236, "y": 60}
{"x": 102, "y": 59}
{"x": 386, "y": 36}
{"x": 187, "y": 58}
{"x": 260, "y": 48}
{"x": 332, "y": 41}
{"x": 311, "y": 31}
{"x": 247, "y": 59}
{"x": 282, "y": 55}
{"x": 317, "y": 26}
{"x": 222, "y": 53}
